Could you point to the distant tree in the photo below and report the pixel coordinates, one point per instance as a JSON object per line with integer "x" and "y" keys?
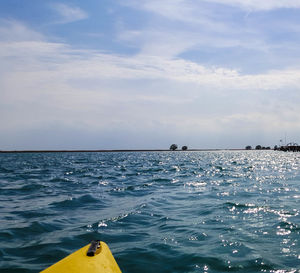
{"x": 258, "y": 147}
{"x": 275, "y": 148}
{"x": 268, "y": 148}
{"x": 248, "y": 147}
{"x": 184, "y": 148}
{"x": 173, "y": 147}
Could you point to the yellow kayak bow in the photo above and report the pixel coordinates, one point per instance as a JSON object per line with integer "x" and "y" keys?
{"x": 93, "y": 258}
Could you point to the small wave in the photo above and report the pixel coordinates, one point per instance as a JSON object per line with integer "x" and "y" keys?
{"x": 27, "y": 232}
{"x": 150, "y": 170}
{"x": 5, "y": 170}
{"x": 196, "y": 184}
{"x": 143, "y": 189}
{"x": 161, "y": 180}
{"x": 106, "y": 222}
{"x": 84, "y": 200}
{"x": 238, "y": 205}
{"x": 59, "y": 179}
{"x": 6, "y": 235}
{"x": 28, "y": 189}
{"x": 288, "y": 227}
{"x": 283, "y": 214}
{"x": 32, "y": 187}
{"x": 29, "y": 214}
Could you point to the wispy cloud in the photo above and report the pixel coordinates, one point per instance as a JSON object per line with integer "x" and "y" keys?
{"x": 69, "y": 13}
{"x": 195, "y": 25}
{"x": 216, "y": 32}
{"x": 260, "y": 5}
{"x": 178, "y": 8}
{"x": 192, "y": 12}
{"x": 12, "y": 30}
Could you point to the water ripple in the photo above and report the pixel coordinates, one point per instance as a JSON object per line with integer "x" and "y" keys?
{"x": 159, "y": 212}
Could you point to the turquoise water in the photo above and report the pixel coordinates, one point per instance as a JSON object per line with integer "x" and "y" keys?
{"x": 231, "y": 211}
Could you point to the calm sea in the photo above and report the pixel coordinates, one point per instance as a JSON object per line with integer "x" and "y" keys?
{"x": 231, "y": 211}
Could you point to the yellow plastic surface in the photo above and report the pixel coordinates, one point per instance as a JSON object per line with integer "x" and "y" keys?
{"x": 79, "y": 262}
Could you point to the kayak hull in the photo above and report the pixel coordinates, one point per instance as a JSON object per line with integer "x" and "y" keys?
{"x": 78, "y": 262}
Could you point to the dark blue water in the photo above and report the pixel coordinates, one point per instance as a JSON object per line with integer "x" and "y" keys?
{"x": 158, "y": 211}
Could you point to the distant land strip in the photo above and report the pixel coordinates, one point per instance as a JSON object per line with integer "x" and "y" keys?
{"x": 110, "y": 151}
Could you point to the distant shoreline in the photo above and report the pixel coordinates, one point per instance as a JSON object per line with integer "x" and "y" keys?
{"x": 115, "y": 150}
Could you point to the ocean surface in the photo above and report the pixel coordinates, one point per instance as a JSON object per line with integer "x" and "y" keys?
{"x": 223, "y": 211}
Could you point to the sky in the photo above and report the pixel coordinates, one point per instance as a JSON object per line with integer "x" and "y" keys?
{"x": 143, "y": 74}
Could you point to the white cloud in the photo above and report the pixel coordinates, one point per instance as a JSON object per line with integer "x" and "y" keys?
{"x": 69, "y": 13}
{"x": 46, "y": 84}
{"x": 89, "y": 64}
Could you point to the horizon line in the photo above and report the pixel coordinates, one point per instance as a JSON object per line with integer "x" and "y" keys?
{"x": 118, "y": 150}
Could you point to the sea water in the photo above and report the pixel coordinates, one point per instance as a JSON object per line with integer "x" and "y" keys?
{"x": 222, "y": 211}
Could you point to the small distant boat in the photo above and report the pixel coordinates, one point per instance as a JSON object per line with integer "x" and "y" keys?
{"x": 93, "y": 258}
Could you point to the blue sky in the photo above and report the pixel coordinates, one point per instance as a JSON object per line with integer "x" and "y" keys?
{"x": 136, "y": 74}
